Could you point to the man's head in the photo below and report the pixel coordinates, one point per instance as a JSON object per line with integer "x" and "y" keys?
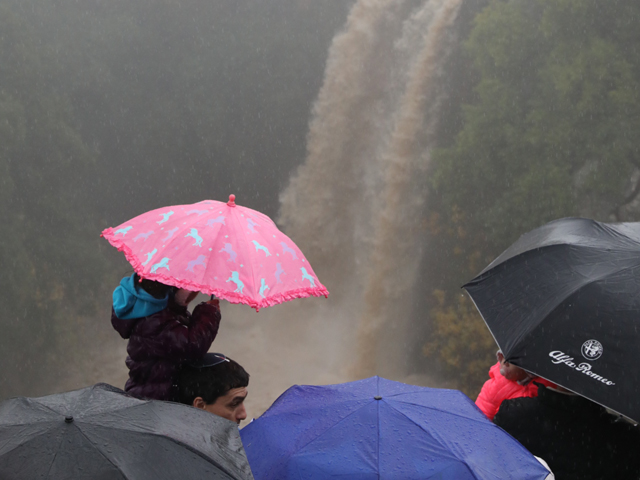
{"x": 216, "y": 384}
{"x": 510, "y": 371}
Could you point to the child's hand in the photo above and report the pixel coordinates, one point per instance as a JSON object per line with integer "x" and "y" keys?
{"x": 183, "y": 297}
{"x": 214, "y": 302}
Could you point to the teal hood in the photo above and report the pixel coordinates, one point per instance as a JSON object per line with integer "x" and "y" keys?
{"x": 130, "y": 302}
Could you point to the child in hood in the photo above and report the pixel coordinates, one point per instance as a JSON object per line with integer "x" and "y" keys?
{"x": 506, "y": 381}
{"x": 162, "y": 333}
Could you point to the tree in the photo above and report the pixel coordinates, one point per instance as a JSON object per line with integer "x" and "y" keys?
{"x": 549, "y": 133}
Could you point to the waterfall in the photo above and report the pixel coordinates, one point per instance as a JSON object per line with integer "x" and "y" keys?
{"x": 356, "y": 206}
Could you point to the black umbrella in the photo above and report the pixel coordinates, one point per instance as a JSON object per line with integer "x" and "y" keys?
{"x": 100, "y": 433}
{"x": 564, "y": 303}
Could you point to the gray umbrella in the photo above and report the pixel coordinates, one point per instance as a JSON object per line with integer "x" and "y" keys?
{"x": 100, "y": 433}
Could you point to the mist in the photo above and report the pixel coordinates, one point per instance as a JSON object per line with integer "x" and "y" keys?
{"x": 115, "y": 108}
{"x": 402, "y": 144}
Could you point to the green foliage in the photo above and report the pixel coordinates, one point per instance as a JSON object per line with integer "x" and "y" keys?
{"x": 460, "y": 340}
{"x": 549, "y": 134}
{"x": 548, "y": 105}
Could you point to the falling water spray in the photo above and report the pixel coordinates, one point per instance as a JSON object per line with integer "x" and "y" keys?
{"x": 354, "y": 208}
{"x": 399, "y": 238}
{"x": 356, "y": 205}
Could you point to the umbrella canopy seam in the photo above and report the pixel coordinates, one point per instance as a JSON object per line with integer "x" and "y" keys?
{"x": 534, "y": 251}
{"x": 327, "y": 429}
{"x": 390, "y": 395}
{"x": 26, "y": 441}
{"x": 379, "y": 429}
{"x": 163, "y": 437}
{"x": 481, "y": 421}
{"x": 604, "y": 226}
{"x": 55, "y": 455}
{"x": 197, "y": 452}
{"x": 519, "y": 338}
{"x": 35, "y": 402}
{"x": 252, "y": 275}
{"x": 444, "y": 447}
{"x": 100, "y": 451}
{"x": 491, "y": 266}
{"x": 81, "y": 415}
{"x": 86, "y": 420}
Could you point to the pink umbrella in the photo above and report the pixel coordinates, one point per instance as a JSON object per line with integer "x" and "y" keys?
{"x": 217, "y": 248}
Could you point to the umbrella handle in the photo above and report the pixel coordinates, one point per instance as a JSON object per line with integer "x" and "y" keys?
{"x": 213, "y": 297}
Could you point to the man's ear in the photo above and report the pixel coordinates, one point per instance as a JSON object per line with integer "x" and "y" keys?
{"x": 198, "y": 402}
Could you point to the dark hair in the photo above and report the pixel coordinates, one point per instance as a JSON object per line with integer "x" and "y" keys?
{"x": 210, "y": 383}
{"x": 153, "y": 288}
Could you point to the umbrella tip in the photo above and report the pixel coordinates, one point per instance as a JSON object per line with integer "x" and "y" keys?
{"x": 232, "y": 200}
{"x": 68, "y": 419}
{"x": 377, "y": 397}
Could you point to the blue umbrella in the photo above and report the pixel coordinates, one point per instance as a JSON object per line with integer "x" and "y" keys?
{"x": 379, "y": 429}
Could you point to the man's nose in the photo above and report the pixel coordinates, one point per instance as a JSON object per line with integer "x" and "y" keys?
{"x": 241, "y": 414}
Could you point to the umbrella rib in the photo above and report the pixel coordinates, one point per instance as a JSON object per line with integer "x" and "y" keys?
{"x": 432, "y": 434}
{"x": 23, "y": 442}
{"x": 520, "y": 336}
{"x": 378, "y": 442}
{"x": 211, "y": 261}
{"x": 34, "y": 402}
{"x": 100, "y": 452}
{"x": 197, "y": 452}
{"x": 140, "y": 405}
{"x": 495, "y": 262}
{"x": 328, "y": 428}
{"x": 209, "y": 265}
{"x": 173, "y": 440}
{"x": 482, "y": 421}
{"x": 618, "y": 232}
{"x": 129, "y": 407}
{"x": 253, "y": 279}
{"x": 404, "y": 393}
{"x": 170, "y": 439}
{"x": 54, "y": 457}
{"x": 143, "y": 403}
{"x": 576, "y": 290}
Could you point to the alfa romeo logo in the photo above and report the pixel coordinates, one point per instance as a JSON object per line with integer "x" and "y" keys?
{"x": 592, "y": 349}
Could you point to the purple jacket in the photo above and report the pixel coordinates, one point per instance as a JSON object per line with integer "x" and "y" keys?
{"x": 160, "y": 343}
